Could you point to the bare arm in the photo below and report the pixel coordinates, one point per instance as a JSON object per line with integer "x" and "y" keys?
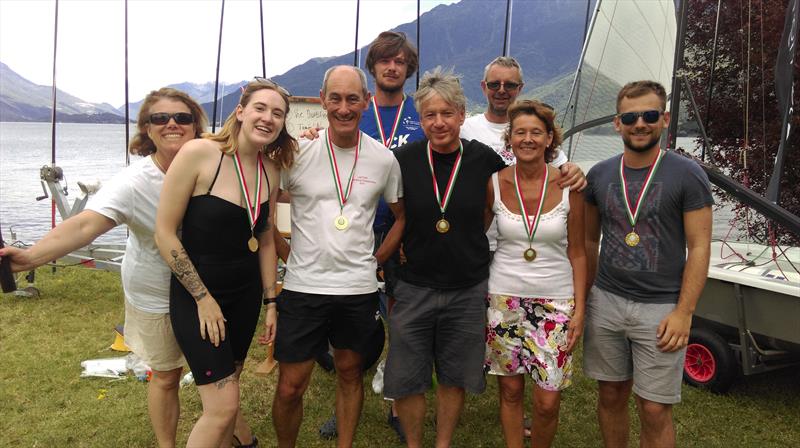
{"x": 179, "y": 184}
{"x": 269, "y": 268}
{"x": 673, "y": 332}
{"x": 282, "y": 247}
{"x": 592, "y": 242}
{"x": 393, "y": 239}
{"x": 576, "y": 251}
{"x": 70, "y": 235}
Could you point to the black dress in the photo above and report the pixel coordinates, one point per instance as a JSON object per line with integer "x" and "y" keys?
{"x": 215, "y": 234}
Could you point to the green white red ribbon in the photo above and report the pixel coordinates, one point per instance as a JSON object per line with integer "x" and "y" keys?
{"x": 253, "y": 210}
{"x": 531, "y": 225}
{"x": 448, "y": 191}
{"x": 341, "y": 194}
{"x": 388, "y": 142}
{"x": 634, "y": 209}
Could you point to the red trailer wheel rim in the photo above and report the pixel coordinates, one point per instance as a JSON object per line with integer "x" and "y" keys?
{"x": 700, "y": 364}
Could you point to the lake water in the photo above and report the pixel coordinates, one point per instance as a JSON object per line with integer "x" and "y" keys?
{"x": 96, "y": 152}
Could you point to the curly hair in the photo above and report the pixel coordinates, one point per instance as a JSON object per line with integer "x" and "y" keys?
{"x": 141, "y": 144}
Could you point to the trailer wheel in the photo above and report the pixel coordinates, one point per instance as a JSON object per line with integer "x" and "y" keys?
{"x": 710, "y": 363}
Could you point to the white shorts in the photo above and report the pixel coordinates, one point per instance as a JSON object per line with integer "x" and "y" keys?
{"x": 150, "y": 336}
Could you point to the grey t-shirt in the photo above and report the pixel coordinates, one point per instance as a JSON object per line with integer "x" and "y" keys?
{"x": 650, "y": 272}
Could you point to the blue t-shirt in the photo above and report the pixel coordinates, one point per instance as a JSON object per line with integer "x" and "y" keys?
{"x": 652, "y": 271}
{"x": 408, "y": 130}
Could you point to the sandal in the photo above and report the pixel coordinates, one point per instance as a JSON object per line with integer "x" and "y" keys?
{"x": 238, "y": 443}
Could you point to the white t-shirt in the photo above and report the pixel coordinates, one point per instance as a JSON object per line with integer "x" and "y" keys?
{"x": 323, "y": 259}
{"x": 550, "y": 274}
{"x": 477, "y": 127}
{"x": 131, "y": 198}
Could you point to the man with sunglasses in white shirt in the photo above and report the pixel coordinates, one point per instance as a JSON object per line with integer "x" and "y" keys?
{"x": 502, "y": 83}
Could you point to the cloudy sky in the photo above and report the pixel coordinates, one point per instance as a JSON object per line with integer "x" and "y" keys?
{"x": 171, "y": 41}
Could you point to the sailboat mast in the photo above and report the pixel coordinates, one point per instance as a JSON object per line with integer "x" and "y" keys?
{"x": 677, "y": 65}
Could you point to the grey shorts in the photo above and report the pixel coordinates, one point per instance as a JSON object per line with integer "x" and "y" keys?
{"x": 428, "y": 327}
{"x": 619, "y": 343}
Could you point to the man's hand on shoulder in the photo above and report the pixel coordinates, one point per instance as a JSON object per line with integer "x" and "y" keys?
{"x": 673, "y": 331}
{"x": 572, "y": 176}
{"x": 311, "y": 133}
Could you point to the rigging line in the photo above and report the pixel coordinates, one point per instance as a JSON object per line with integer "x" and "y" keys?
{"x": 53, "y": 116}
{"x": 507, "y": 33}
{"x": 597, "y": 73}
{"x": 711, "y": 78}
{"x": 419, "y": 53}
{"x": 263, "y": 50}
{"x": 588, "y": 28}
{"x": 763, "y": 95}
{"x": 127, "y": 98}
{"x": 216, "y": 80}
{"x": 356, "y": 53}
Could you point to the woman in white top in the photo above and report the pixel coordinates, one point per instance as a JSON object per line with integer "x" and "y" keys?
{"x": 537, "y": 278}
{"x": 168, "y": 118}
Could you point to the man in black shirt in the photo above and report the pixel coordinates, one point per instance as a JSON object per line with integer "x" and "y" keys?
{"x": 440, "y": 313}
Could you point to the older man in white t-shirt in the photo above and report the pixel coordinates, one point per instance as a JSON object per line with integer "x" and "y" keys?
{"x": 502, "y": 83}
{"x": 330, "y": 288}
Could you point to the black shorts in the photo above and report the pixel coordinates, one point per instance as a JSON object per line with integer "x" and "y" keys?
{"x": 307, "y": 323}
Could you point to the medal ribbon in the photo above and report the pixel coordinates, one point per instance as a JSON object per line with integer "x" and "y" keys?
{"x": 388, "y": 142}
{"x": 633, "y": 213}
{"x": 532, "y": 225}
{"x": 253, "y": 210}
{"x": 448, "y": 191}
{"x": 341, "y": 194}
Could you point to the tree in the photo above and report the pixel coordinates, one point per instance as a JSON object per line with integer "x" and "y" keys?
{"x": 742, "y": 119}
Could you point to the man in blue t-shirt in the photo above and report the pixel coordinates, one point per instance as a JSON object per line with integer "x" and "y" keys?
{"x": 653, "y": 209}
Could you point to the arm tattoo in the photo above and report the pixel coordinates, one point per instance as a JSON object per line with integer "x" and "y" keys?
{"x": 185, "y": 272}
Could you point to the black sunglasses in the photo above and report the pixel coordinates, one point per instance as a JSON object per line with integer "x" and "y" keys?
{"x": 162, "y": 118}
{"x": 649, "y": 117}
{"x": 272, "y": 83}
{"x": 509, "y": 86}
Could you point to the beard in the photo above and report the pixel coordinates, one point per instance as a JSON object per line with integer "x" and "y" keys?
{"x": 498, "y": 110}
{"x": 650, "y": 144}
{"x": 389, "y": 88}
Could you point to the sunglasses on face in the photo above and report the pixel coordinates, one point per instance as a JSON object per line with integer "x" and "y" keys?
{"x": 162, "y": 118}
{"x": 509, "y": 86}
{"x": 271, "y": 83}
{"x": 649, "y": 117}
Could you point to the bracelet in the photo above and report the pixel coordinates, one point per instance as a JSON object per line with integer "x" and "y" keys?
{"x": 268, "y": 300}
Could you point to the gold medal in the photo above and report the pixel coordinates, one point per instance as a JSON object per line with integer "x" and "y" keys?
{"x": 340, "y": 222}
{"x": 442, "y": 226}
{"x": 252, "y": 244}
{"x": 632, "y": 239}
{"x": 529, "y": 254}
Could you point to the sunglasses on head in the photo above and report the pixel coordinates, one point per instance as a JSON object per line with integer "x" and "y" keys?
{"x": 162, "y": 118}
{"x": 495, "y": 85}
{"x": 271, "y": 83}
{"x": 649, "y": 116}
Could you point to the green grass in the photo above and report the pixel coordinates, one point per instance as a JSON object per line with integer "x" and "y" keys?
{"x": 44, "y": 402}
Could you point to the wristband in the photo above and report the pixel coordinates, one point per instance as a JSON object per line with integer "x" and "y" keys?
{"x": 268, "y": 300}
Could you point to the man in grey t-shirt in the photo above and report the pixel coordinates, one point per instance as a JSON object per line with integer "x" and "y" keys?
{"x": 650, "y": 206}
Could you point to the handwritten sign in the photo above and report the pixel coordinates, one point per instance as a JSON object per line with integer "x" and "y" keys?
{"x": 305, "y": 112}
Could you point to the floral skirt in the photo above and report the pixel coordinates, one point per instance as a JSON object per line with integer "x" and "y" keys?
{"x": 528, "y": 335}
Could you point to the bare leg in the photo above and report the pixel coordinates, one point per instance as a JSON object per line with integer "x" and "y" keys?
{"x": 449, "y": 402}
{"x": 658, "y": 430}
{"x": 241, "y": 429}
{"x": 287, "y": 407}
{"x": 349, "y": 394}
{"x": 612, "y": 412}
{"x": 546, "y": 404}
{"x": 512, "y": 391}
{"x": 411, "y": 410}
{"x": 220, "y": 405}
{"x": 163, "y": 405}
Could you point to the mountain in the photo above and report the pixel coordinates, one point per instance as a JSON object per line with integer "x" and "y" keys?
{"x": 546, "y": 39}
{"x": 22, "y": 100}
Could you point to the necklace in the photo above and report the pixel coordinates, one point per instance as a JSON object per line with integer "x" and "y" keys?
{"x": 158, "y": 164}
